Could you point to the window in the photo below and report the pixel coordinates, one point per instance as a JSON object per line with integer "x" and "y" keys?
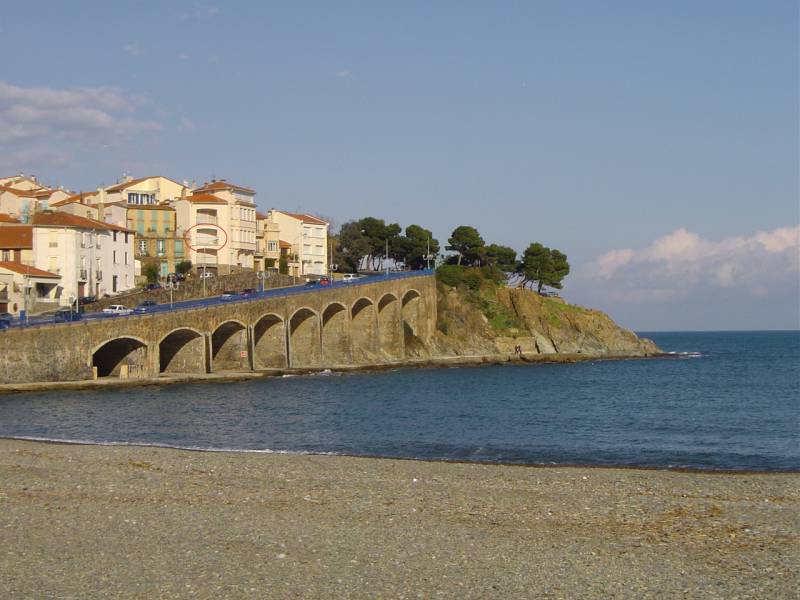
{"x": 126, "y": 258}
{"x": 272, "y": 246}
{"x": 126, "y": 237}
{"x": 52, "y": 264}
{"x": 319, "y": 250}
{"x": 161, "y": 247}
{"x": 6, "y": 255}
{"x": 114, "y": 234}
{"x": 178, "y": 247}
{"x": 318, "y": 231}
{"x": 142, "y": 246}
{"x": 133, "y": 198}
{"x": 114, "y": 257}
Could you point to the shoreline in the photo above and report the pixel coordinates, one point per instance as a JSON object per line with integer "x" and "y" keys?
{"x": 99, "y": 521}
{"x": 473, "y": 360}
{"x": 268, "y": 451}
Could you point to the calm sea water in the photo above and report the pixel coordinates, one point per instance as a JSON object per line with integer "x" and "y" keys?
{"x": 725, "y": 401}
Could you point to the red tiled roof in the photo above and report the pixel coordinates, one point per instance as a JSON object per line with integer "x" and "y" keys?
{"x": 4, "y": 218}
{"x": 18, "y": 193}
{"x": 16, "y": 237}
{"x": 221, "y": 184}
{"x": 205, "y": 199}
{"x": 74, "y": 198}
{"x": 27, "y": 270}
{"x": 282, "y": 244}
{"x": 305, "y": 218}
{"x": 126, "y": 184}
{"x": 61, "y": 219}
{"x": 260, "y": 216}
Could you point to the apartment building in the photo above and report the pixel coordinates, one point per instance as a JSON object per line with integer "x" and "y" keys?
{"x": 91, "y": 257}
{"x": 156, "y": 237}
{"x": 22, "y": 285}
{"x": 218, "y": 220}
{"x": 308, "y": 237}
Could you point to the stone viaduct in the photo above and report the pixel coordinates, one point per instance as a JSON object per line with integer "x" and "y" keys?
{"x": 378, "y": 321}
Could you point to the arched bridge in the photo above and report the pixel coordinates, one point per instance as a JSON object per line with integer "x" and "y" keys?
{"x": 381, "y": 320}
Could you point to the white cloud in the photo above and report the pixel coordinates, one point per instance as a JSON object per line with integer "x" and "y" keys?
{"x": 681, "y": 263}
{"x": 132, "y": 49}
{"x": 199, "y": 12}
{"x": 45, "y": 122}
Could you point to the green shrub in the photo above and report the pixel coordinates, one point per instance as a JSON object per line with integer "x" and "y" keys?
{"x": 451, "y": 275}
{"x": 473, "y": 279}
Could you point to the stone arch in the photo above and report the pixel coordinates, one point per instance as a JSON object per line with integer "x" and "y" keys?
{"x": 414, "y": 322}
{"x": 390, "y": 326}
{"x": 229, "y": 348}
{"x": 304, "y": 338}
{"x": 335, "y": 335}
{"x": 123, "y": 356}
{"x": 269, "y": 342}
{"x": 182, "y": 350}
{"x": 364, "y": 330}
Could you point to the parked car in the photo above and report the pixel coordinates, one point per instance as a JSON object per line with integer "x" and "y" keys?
{"x": 312, "y": 283}
{"x": 144, "y": 306}
{"x": 67, "y": 315}
{"x": 350, "y": 277}
{"x": 87, "y": 300}
{"x": 206, "y": 274}
{"x": 153, "y": 286}
{"x": 324, "y": 281}
{"x": 5, "y": 320}
{"x": 117, "y": 309}
{"x": 247, "y": 292}
{"x": 228, "y": 295}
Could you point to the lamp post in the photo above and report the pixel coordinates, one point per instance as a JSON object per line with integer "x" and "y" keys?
{"x": 262, "y": 277}
{"x": 171, "y": 284}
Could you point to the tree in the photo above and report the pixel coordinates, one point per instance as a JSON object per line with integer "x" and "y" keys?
{"x": 415, "y": 246}
{"x": 183, "y": 267}
{"x": 544, "y": 266}
{"x": 283, "y": 265}
{"x": 151, "y": 272}
{"x": 468, "y": 243}
{"x": 354, "y": 245}
{"x": 502, "y": 257}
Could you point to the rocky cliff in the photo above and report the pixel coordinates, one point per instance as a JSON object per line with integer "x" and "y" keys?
{"x": 492, "y": 319}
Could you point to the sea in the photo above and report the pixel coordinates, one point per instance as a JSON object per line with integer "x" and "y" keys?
{"x": 718, "y": 401}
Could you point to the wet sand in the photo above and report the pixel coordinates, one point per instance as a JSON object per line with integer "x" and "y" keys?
{"x": 132, "y": 522}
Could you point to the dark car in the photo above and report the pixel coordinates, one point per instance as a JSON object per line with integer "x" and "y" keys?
{"x": 144, "y": 306}
{"x": 66, "y": 315}
{"x": 87, "y": 300}
{"x": 153, "y": 286}
{"x": 247, "y": 292}
{"x": 5, "y": 320}
{"x": 228, "y": 295}
{"x": 312, "y": 283}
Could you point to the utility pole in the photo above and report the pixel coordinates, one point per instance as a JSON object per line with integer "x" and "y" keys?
{"x": 387, "y": 256}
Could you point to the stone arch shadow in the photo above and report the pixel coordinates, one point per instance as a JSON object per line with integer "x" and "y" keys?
{"x": 364, "y": 330}
{"x": 304, "y": 338}
{"x": 336, "y": 338}
{"x": 229, "y": 347}
{"x": 390, "y": 326}
{"x": 414, "y": 318}
{"x": 121, "y": 356}
{"x": 182, "y": 350}
{"x": 269, "y": 342}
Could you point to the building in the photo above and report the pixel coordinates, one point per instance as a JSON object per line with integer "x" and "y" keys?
{"x": 218, "y": 223}
{"x": 78, "y": 204}
{"x": 307, "y": 236}
{"x": 143, "y": 191}
{"x": 156, "y": 237}
{"x": 22, "y": 285}
{"x": 92, "y": 258}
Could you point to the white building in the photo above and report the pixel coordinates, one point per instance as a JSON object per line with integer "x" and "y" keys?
{"x": 308, "y": 236}
{"x": 92, "y": 258}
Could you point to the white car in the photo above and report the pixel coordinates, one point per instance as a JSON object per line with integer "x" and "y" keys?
{"x": 350, "y": 277}
{"x": 117, "y": 309}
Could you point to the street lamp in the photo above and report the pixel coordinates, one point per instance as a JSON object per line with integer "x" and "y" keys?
{"x": 171, "y": 284}
{"x": 262, "y": 277}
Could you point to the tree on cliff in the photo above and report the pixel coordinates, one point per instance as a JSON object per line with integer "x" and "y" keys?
{"x": 502, "y": 257}
{"x": 468, "y": 243}
{"x": 544, "y": 266}
{"x": 415, "y": 246}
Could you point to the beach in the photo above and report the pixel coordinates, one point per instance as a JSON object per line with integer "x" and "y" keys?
{"x": 84, "y": 521}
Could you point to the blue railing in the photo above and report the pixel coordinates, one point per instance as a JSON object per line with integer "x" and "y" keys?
{"x": 219, "y": 300}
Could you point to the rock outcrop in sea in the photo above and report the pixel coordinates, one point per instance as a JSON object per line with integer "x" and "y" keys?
{"x": 496, "y": 320}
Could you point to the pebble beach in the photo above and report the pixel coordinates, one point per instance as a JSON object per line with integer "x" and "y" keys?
{"x": 83, "y": 521}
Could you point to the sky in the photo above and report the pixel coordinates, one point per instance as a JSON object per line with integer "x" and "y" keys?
{"x": 655, "y": 143}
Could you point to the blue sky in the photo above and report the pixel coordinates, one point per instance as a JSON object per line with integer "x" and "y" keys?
{"x": 592, "y": 127}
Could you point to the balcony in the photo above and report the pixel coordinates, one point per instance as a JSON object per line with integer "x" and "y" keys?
{"x": 82, "y": 275}
{"x": 99, "y": 276}
{"x": 205, "y": 219}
